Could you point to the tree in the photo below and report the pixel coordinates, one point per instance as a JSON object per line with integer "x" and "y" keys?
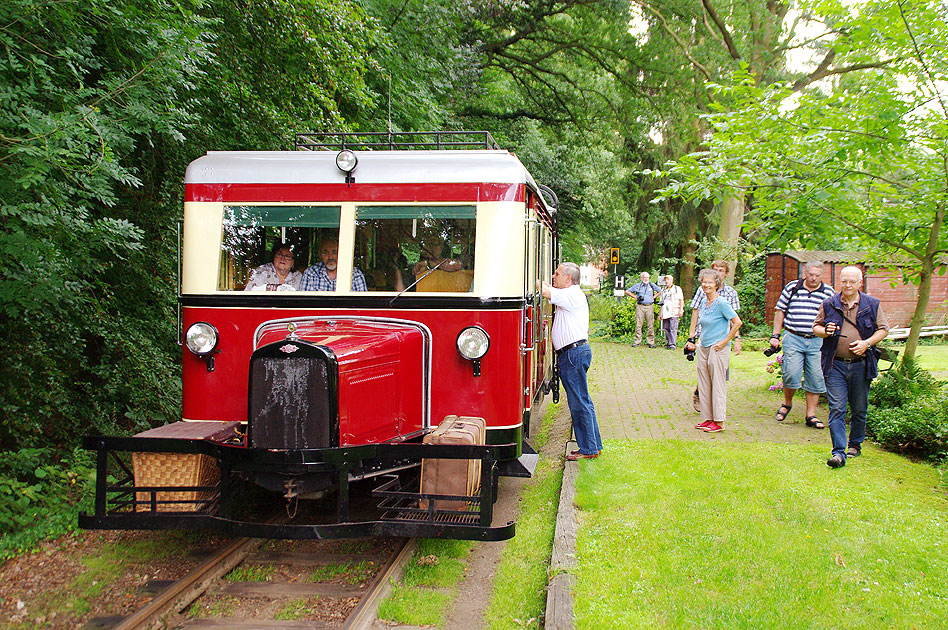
{"x": 862, "y": 161}
{"x": 706, "y": 43}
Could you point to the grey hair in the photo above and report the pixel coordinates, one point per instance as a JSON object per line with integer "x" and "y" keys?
{"x": 711, "y": 273}
{"x": 572, "y": 270}
{"x": 813, "y": 264}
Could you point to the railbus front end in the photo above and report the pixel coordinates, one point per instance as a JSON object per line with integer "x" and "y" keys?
{"x": 363, "y": 341}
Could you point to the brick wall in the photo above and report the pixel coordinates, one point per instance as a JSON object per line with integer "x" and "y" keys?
{"x": 899, "y": 301}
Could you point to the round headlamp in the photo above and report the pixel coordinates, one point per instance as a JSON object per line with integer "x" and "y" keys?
{"x": 201, "y": 338}
{"x": 473, "y": 343}
{"x": 346, "y": 161}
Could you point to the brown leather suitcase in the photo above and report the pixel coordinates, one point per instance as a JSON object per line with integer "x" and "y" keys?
{"x": 453, "y": 476}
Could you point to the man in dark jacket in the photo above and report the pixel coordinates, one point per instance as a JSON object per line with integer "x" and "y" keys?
{"x": 851, "y": 324}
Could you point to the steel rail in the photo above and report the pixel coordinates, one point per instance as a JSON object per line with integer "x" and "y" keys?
{"x": 155, "y": 614}
{"x": 190, "y": 587}
{"x": 365, "y": 612}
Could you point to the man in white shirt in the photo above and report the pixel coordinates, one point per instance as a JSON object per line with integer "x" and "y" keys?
{"x": 573, "y": 356}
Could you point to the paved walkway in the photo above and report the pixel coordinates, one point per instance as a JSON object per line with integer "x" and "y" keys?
{"x": 643, "y": 393}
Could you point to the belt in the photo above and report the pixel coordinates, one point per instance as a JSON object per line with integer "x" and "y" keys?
{"x": 852, "y": 360}
{"x": 799, "y": 334}
{"x": 581, "y": 342}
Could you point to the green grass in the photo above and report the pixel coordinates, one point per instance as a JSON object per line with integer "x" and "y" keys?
{"x": 423, "y": 596}
{"x": 293, "y": 610}
{"x": 349, "y": 572}
{"x": 695, "y": 535}
{"x": 438, "y": 563}
{"x": 934, "y": 359}
{"x": 518, "y": 597}
{"x": 415, "y": 606}
{"x": 251, "y": 573}
{"x": 541, "y": 435}
{"x": 213, "y": 607}
{"x": 101, "y": 571}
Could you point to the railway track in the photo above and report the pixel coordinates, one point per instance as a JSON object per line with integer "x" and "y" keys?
{"x": 278, "y": 585}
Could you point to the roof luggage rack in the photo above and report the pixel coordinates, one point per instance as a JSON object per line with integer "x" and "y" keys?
{"x": 389, "y": 140}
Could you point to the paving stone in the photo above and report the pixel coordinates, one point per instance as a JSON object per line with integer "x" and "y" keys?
{"x": 645, "y": 393}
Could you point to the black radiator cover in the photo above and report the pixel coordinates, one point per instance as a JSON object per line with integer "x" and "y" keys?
{"x": 293, "y": 397}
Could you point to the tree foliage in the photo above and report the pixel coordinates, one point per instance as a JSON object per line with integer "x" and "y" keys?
{"x": 860, "y": 162}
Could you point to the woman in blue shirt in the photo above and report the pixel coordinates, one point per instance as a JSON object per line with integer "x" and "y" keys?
{"x": 719, "y": 325}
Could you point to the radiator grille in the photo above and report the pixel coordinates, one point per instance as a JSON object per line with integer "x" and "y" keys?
{"x": 290, "y": 402}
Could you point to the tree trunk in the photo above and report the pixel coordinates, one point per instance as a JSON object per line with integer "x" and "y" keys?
{"x": 925, "y": 283}
{"x": 688, "y": 250}
{"x": 921, "y": 307}
{"x": 732, "y": 217}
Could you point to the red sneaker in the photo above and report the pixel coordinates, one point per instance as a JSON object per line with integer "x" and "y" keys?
{"x": 714, "y": 427}
{"x": 702, "y": 425}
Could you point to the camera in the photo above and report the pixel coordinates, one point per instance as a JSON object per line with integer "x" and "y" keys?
{"x": 689, "y": 354}
{"x": 769, "y": 351}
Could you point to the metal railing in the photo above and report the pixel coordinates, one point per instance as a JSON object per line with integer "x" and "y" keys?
{"x": 395, "y": 140}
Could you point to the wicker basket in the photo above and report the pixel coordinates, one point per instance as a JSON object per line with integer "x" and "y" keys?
{"x": 174, "y": 470}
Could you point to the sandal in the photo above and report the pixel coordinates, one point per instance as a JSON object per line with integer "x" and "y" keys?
{"x": 811, "y": 421}
{"x": 782, "y": 412}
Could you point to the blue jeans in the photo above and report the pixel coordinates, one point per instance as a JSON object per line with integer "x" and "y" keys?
{"x": 847, "y": 382}
{"x": 573, "y": 364}
{"x": 801, "y": 363}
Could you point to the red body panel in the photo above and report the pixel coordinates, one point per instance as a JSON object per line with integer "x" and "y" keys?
{"x": 496, "y": 395}
{"x": 381, "y": 376}
{"x": 329, "y": 193}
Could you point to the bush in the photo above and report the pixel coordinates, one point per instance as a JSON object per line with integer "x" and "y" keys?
{"x": 623, "y": 325}
{"x": 601, "y": 306}
{"x": 902, "y": 384}
{"x": 624, "y": 322}
{"x": 41, "y": 500}
{"x": 920, "y": 428}
{"x": 752, "y": 290}
{"x": 908, "y": 412}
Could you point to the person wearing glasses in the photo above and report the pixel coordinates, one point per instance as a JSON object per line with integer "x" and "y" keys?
{"x": 851, "y": 323}
{"x": 277, "y": 275}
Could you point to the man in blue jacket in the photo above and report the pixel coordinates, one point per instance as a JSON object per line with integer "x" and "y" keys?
{"x": 851, "y": 323}
{"x": 646, "y": 294}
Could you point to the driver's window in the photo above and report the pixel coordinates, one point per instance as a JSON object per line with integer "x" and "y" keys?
{"x": 416, "y": 248}
{"x": 267, "y": 248}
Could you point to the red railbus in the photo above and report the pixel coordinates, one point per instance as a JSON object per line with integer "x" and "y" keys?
{"x": 338, "y": 303}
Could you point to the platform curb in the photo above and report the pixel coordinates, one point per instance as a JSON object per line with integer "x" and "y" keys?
{"x": 559, "y": 592}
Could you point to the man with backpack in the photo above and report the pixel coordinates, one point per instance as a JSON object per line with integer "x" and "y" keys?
{"x": 795, "y": 313}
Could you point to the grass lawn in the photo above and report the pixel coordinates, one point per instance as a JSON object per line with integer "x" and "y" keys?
{"x": 678, "y": 534}
{"x": 934, "y": 359}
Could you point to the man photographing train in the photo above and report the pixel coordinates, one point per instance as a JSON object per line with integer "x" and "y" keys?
{"x": 573, "y": 356}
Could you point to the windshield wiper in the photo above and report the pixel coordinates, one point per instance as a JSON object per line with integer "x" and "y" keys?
{"x": 425, "y": 275}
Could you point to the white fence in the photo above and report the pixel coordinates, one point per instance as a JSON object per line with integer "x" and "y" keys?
{"x": 897, "y": 334}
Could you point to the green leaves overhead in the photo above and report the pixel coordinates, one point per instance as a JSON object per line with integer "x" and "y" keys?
{"x": 856, "y": 163}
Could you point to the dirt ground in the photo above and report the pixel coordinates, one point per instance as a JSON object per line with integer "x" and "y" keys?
{"x": 33, "y": 592}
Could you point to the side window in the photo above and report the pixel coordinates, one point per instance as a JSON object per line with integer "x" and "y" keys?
{"x": 266, "y": 248}
{"x": 418, "y": 248}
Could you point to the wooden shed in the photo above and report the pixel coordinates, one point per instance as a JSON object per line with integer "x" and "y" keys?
{"x": 883, "y": 281}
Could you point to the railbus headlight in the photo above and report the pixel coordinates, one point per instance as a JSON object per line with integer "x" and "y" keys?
{"x": 346, "y": 161}
{"x": 473, "y": 343}
{"x": 201, "y": 338}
